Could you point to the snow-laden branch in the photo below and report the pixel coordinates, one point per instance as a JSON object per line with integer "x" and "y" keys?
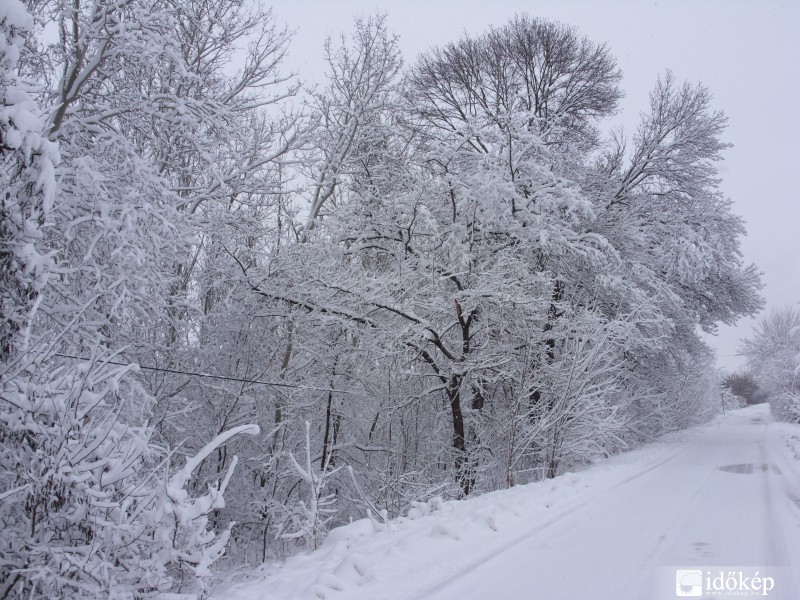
{"x": 179, "y": 479}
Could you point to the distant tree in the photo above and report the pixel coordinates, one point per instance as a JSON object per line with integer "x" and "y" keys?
{"x": 744, "y": 385}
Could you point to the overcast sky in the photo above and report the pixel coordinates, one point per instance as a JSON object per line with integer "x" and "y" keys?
{"x": 747, "y": 52}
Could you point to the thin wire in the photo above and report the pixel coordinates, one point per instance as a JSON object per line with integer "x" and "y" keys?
{"x": 209, "y": 376}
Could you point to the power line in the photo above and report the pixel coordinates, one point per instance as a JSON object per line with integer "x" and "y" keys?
{"x": 209, "y": 376}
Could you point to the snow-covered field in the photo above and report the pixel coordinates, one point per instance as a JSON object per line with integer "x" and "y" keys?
{"x": 724, "y": 494}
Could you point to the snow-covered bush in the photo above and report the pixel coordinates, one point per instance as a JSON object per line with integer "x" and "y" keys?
{"x": 91, "y": 507}
{"x": 309, "y": 521}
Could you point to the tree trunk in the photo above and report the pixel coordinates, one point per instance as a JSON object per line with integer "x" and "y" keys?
{"x": 464, "y": 475}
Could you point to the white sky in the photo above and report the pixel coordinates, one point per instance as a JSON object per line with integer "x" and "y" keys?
{"x": 747, "y": 52}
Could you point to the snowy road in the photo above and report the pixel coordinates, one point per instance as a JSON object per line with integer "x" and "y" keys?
{"x": 726, "y": 494}
{"x": 712, "y": 503}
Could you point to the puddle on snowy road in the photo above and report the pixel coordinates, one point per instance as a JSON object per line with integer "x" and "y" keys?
{"x": 743, "y": 469}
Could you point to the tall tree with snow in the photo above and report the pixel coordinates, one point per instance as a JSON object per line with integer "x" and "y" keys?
{"x": 773, "y": 356}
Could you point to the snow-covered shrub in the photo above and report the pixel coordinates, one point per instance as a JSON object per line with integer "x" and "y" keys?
{"x": 91, "y": 507}
{"x": 311, "y": 516}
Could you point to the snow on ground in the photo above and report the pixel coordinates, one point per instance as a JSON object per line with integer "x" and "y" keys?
{"x": 726, "y": 493}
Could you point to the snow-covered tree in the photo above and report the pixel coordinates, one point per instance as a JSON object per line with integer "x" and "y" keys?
{"x": 773, "y": 356}
{"x": 743, "y": 385}
{"x": 28, "y": 185}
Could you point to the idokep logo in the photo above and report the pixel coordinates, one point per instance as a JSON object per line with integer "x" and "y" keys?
{"x": 722, "y": 582}
{"x": 689, "y": 583}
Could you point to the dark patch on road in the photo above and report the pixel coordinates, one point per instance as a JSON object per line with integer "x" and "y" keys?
{"x": 701, "y": 549}
{"x": 742, "y": 469}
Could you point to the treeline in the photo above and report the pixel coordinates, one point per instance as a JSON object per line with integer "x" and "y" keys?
{"x": 433, "y": 279}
